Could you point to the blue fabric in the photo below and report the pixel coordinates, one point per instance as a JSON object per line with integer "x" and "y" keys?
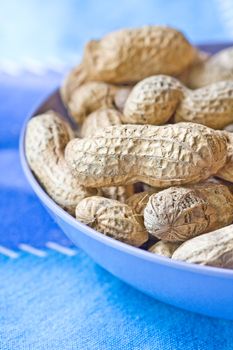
{"x": 68, "y": 302}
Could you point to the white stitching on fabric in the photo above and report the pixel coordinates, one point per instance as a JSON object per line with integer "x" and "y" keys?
{"x": 8, "y": 252}
{"x": 61, "y": 249}
{"x": 31, "y": 250}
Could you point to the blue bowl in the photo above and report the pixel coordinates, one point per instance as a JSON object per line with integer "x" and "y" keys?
{"x": 202, "y": 289}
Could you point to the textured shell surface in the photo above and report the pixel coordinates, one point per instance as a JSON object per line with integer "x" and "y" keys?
{"x": 130, "y": 55}
{"x": 90, "y": 97}
{"x": 213, "y": 249}
{"x": 180, "y": 213}
{"x": 211, "y": 105}
{"x": 218, "y": 67}
{"x": 160, "y": 156}
{"x": 45, "y": 141}
{"x": 75, "y": 78}
{"x": 112, "y": 218}
{"x": 120, "y": 193}
{"x": 138, "y": 201}
{"x": 100, "y": 119}
{"x": 153, "y": 100}
{"x": 226, "y": 173}
{"x": 164, "y": 248}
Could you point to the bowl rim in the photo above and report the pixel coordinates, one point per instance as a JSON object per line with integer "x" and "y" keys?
{"x": 113, "y": 243}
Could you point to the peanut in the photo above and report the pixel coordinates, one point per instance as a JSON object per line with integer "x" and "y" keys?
{"x": 74, "y": 79}
{"x": 164, "y": 248}
{"x": 211, "y": 105}
{"x": 138, "y": 201}
{"x": 112, "y": 218}
{"x": 156, "y": 99}
{"x": 130, "y": 55}
{"x": 99, "y": 119}
{"x": 153, "y": 100}
{"x": 226, "y": 173}
{"x": 90, "y": 97}
{"x": 217, "y": 68}
{"x": 46, "y": 138}
{"x": 212, "y": 249}
{"x": 180, "y": 213}
{"x": 120, "y": 193}
{"x": 160, "y": 156}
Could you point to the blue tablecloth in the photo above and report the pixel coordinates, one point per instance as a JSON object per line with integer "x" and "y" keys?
{"x": 52, "y": 296}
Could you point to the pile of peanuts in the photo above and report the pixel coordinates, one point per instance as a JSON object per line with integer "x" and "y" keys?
{"x": 151, "y": 164}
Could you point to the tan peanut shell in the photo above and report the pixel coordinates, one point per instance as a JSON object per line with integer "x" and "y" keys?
{"x": 130, "y": 55}
{"x": 212, "y": 249}
{"x": 73, "y": 80}
{"x": 164, "y": 248}
{"x": 218, "y": 67}
{"x": 153, "y": 100}
{"x": 90, "y": 97}
{"x": 211, "y": 105}
{"x": 112, "y": 218}
{"x": 160, "y": 156}
{"x": 138, "y": 201}
{"x": 180, "y": 213}
{"x": 201, "y": 57}
{"x": 100, "y": 119}
{"x": 226, "y": 173}
{"x": 119, "y": 193}
{"x": 45, "y": 141}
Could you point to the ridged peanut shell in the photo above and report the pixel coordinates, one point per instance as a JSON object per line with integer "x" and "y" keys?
{"x": 138, "y": 201}
{"x": 226, "y": 173}
{"x": 72, "y": 81}
{"x": 119, "y": 193}
{"x": 160, "y": 156}
{"x": 164, "y": 248}
{"x": 46, "y": 137}
{"x": 130, "y": 55}
{"x": 218, "y": 67}
{"x": 180, "y": 213}
{"x": 211, "y": 105}
{"x": 90, "y": 97}
{"x": 100, "y": 119}
{"x": 153, "y": 100}
{"x": 112, "y": 218}
{"x": 212, "y": 249}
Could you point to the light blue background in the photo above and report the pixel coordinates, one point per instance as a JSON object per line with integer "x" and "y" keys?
{"x": 44, "y": 30}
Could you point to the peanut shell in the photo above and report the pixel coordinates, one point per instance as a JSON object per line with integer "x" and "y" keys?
{"x": 112, "y": 218}
{"x": 153, "y": 100}
{"x": 130, "y": 55}
{"x": 160, "y": 156}
{"x": 180, "y": 213}
{"x": 211, "y": 105}
{"x": 212, "y": 249}
{"x": 45, "y": 141}
{"x": 164, "y": 248}
{"x": 218, "y": 67}
{"x": 100, "y": 119}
